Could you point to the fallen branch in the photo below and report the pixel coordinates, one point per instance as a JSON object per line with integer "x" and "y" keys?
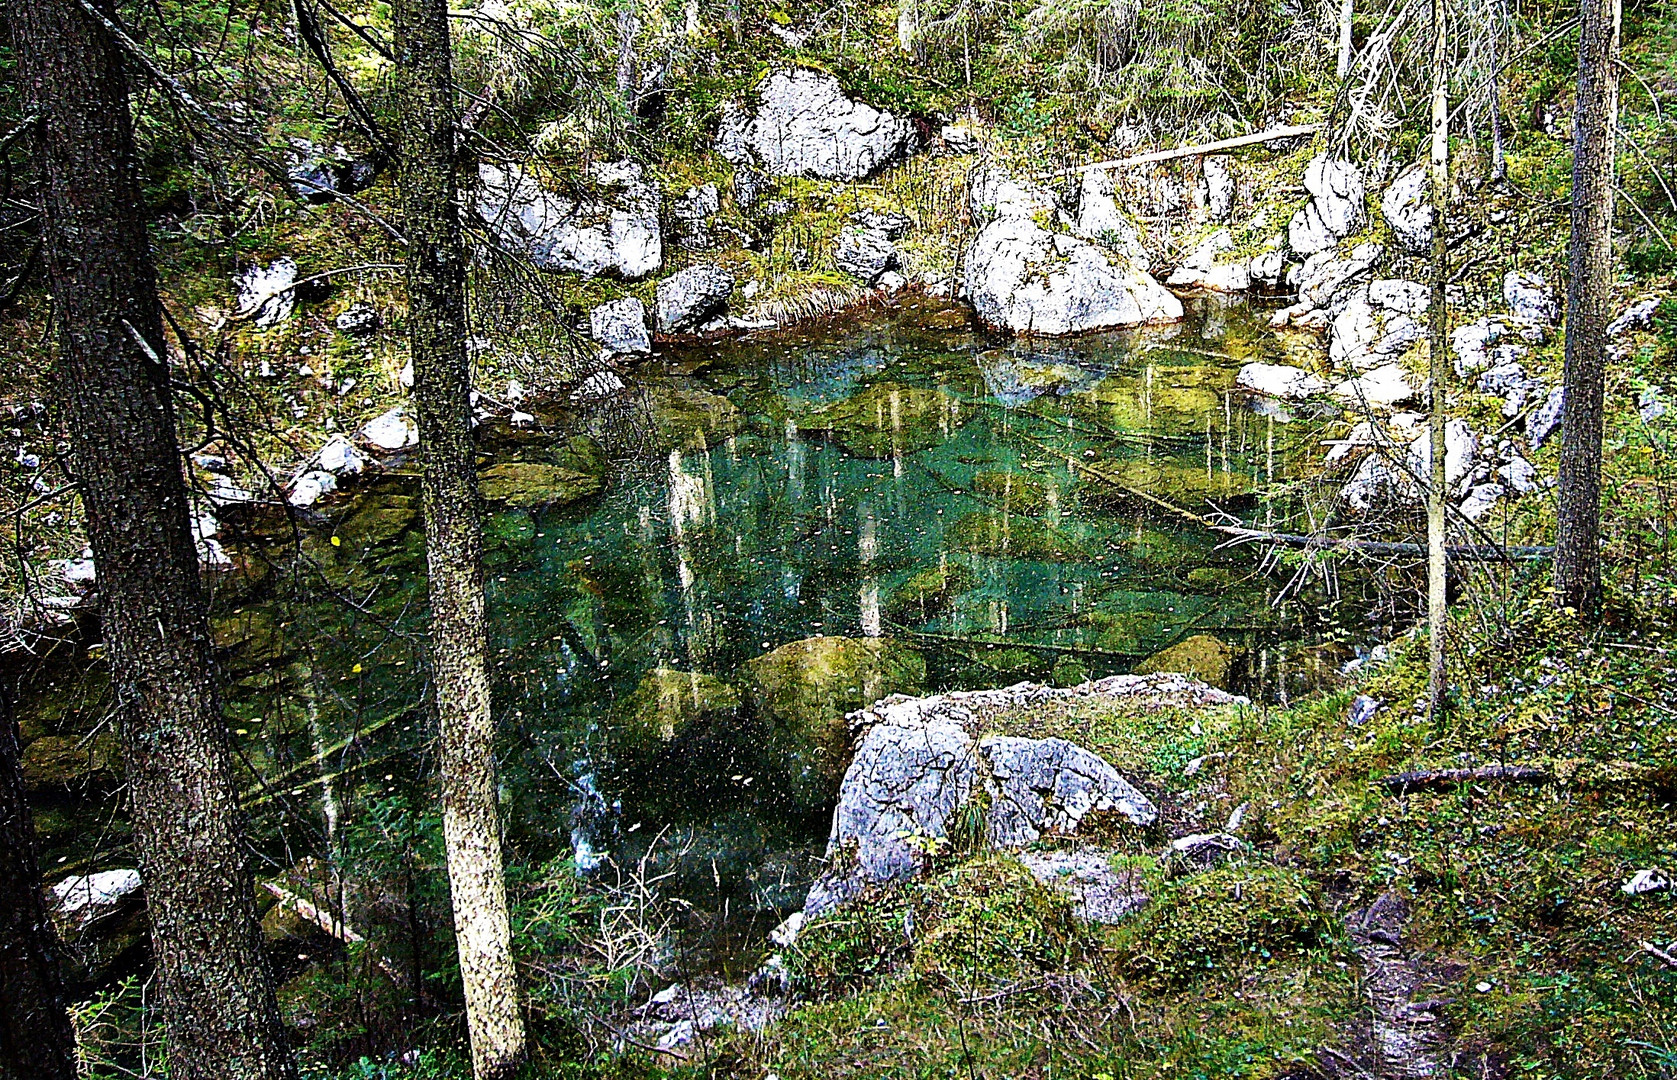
{"x": 1469, "y": 552}
{"x": 329, "y": 924}
{"x": 1654, "y": 950}
{"x": 1192, "y": 150}
{"x": 1438, "y": 779}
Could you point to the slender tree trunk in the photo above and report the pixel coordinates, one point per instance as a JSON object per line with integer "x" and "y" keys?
{"x": 1589, "y": 298}
{"x": 453, "y": 534}
{"x": 36, "y": 1040}
{"x": 1342, "y": 63}
{"x": 628, "y": 28}
{"x": 1437, "y": 567}
{"x": 1499, "y": 165}
{"x": 112, "y": 387}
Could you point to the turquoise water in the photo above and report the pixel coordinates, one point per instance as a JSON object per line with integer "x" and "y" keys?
{"x": 897, "y": 475}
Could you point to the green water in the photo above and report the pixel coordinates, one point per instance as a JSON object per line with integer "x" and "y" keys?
{"x": 900, "y": 476}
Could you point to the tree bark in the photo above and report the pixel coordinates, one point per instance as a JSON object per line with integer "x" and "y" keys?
{"x": 36, "y": 1040}
{"x": 1437, "y": 557}
{"x": 436, "y": 271}
{"x": 1589, "y": 298}
{"x": 1342, "y": 62}
{"x": 112, "y": 387}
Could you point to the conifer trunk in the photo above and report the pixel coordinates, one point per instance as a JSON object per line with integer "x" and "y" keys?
{"x": 436, "y": 271}
{"x": 1437, "y": 566}
{"x": 112, "y": 389}
{"x": 1589, "y": 299}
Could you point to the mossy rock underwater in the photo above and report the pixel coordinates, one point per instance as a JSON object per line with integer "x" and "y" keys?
{"x": 929, "y": 593}
{"x": 1202, "y": 656}
{"x": 668, "y": 703}
{"x": 527, "y": 485}
{"x": 805, "y": 688}
{"x": 375, "y": 520}
{"x": 1007, "y": 537}
{"x": 1239, "y": 912}
{"x": 888, "y": 419}
{"x": 1016, "y": 493}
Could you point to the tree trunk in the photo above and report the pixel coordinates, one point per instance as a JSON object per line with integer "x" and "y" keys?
{"x": 36, "y": 1040}
{"x": 1499, "y": 163}
{"x": 453, "y": 534}
{"x": 1342, "y": 62}
{"x": 628, "y": 28}
{"x": 1437, "y": 563}
{"x": 112, "y": 388}
{"x": 1589, "y": 298}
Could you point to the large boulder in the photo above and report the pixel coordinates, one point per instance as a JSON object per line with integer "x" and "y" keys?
{"x": 318, "y": 175}
{"x": 1377, "y": 323}
{"x": 693, "y": 299}
{"x": 1529, "y": 297}
{"x": 1280, "y": 381}
{"x": 1327, "y": 274}
{"x": 620, "y": 326}
{"x": 926, "y": 767}
{"x": 1211, "y": 265}
{"x": 1407, "y": 208}
{"x": 1022, "y": 276}
{"x": 804, "y": 125}
{"x": 1201, "y": 657}
{"x": 693, "y": 214}
{"x": 1101, "y": 219}
{"x": 1335, "y": 209}
{"x": 614, "y": 232}
{"x": 867, "y": 245}
{"x": 668, "y": 703}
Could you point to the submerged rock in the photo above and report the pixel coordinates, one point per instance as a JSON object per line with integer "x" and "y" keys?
{"x": 667, "y": 703}
{"x": 690, "y": 417}
{"x": 528, "y": 485}
{"x": 805, "y": 688}
{"x": 1016, "y": 493}
{"x": 1201, "y": 657}
{"x": 615, "y": 233}
{"x": 929, "y": 593}
{"x": 1005, "y": 537}
{"x": 804, "y": 125}
{"x": 55, "y": 761}
{"x": 888, "y": 419}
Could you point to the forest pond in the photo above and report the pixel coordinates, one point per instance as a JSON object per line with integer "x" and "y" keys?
{"x": 788, "y": 527}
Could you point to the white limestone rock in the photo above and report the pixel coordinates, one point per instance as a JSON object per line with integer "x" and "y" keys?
{"x": 1335, "y": 209}
{"x": 1529, "y": 297}
{"x": 804, "y": 125}
{"x": 1407, "y": 208}
{"x": 1280, "y": 381}
{"x": 265, "y": 294}
{"x": 689, "y": 301}
{"x": 620, "y": 326}
{"x": 615, "y": 233}
{"x": 1209, "y": 266}
{"x": 391, "y": 431}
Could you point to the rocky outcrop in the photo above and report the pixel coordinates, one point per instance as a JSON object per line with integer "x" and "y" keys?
{"x": 1211, "y": 265}
{"x": 692, "y": 214}
{"x": 867, "y": 246}
{"x": 1335, "y": 209}
{"x": 1280, "y": 381}
{"x": 1530, "y": 298}
{"x": 1024, "y": 277}
{"x": 266, "y": 295}
{"x": 1218, "y": 187}
{"x": 1407, "y": 208}
{"x": 694, "y": 300}
{"x": 804, "y": 125}
{"x": 614, "y": 232}
{"x": 1377, "y": 323}
{"x": 922, "y": 760}
{"x": 619, "y": 326}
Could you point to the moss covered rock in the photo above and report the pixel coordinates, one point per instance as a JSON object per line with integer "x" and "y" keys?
{"x": 527, "y": 485}
{"x": 1202, "y": 656}
{"x": 1235, "y": 913}
{"x": 888, "y": 419}
{"x": 805, "y": 688}
{"x": 1177, "y": 480}
{"x": 928, "y": 593}
{"x": 376, "y": 520}
{"x": 1006, "y": 537}
{"x": 691, "y": 418}
{"x": 989, "y": 922}
{"x": 669, "y": 702}
{"x": 1016, "y": 493}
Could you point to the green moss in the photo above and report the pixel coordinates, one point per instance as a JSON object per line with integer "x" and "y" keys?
{"x": 847, "y": 949}
{"x": 990, "y": 923}
{"x": 59, "y": 761}
{"x": 888, "y": 419}
{"x": 1004, "y": 537}
{"x": 668, "y": 703}
{"x": 690, "y": 418}
{"x": 1202, "y": 656}
{"x": 1069, "y": 671}
{"x": 929, "y": 592}
{"x": 376, "y": 520}
{"x": 1017, "y": 494}
{"x": 528, "y": 486}
{"x": 1233, "y": 914}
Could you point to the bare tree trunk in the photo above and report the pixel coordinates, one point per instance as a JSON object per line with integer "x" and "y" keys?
{"x": 628, "y": 28}
{"x": 112, "y": 386}
{"x": 1342, "y": 63}
{"x": 1589, "y": 298}
{"x": 1437, "y": 566}
{"x": 453, "y": 534}
{"x": 1499, "y": 165}
{"x": 36, "y": 1040}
